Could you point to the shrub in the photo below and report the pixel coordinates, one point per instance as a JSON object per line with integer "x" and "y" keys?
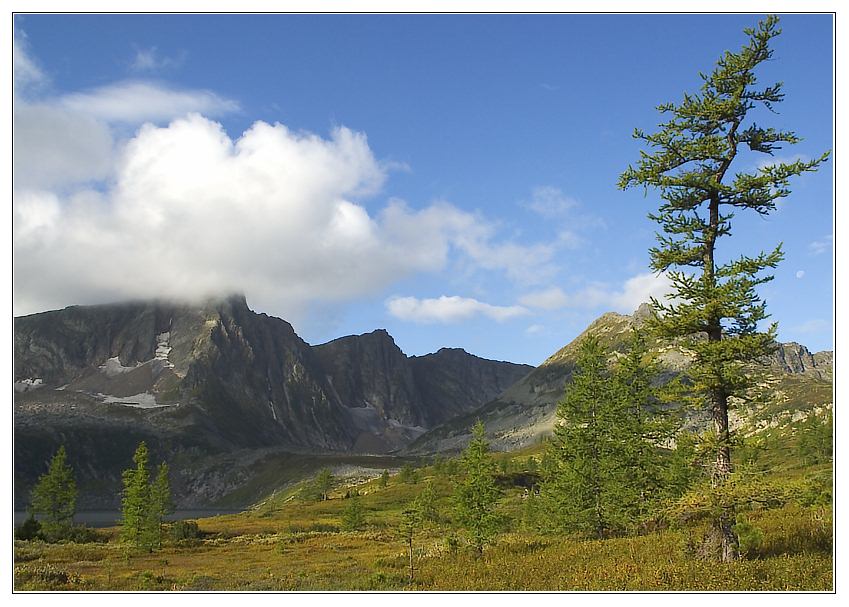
{"x": 750, "y": 538}
{"x": 80, "y": 534}
{"x": 452, "y": 544}
{"x": 185, "y": 530}
{"x": 28, "y": 551}
{"x": 30, "y": 529}
{"x": 408, "y": 474}
{"x": 45, "y": 577}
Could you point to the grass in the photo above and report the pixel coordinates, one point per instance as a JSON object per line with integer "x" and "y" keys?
{"x": 288, "y": 544}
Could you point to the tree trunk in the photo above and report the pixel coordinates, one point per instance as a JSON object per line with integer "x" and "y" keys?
{"x": 410, "y": 543}
{"x": 719, "y": 403}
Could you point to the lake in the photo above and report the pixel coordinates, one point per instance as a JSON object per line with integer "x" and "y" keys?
{"x": 110, "y": 518}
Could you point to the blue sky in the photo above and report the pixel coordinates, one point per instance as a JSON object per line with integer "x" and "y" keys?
{"x": 449, "y": 178}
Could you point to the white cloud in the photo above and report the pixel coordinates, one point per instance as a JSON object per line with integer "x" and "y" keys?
{"x": 564, "y": 212}
{"x": 534, "y": 330}
{"x": 67, "y": 140}
{"x": 180, "y": 209}
{"x": 430, "y": 235}
{"x": 138, "y": 101}
{"x": 625, "y": 299}
{"x": 448, "y": 309}
{"x": 818, "y": 247}
{"x": 26, "y": 72}
{"x": 548, "y": 299}
{"x": 53, "y": 146}
{"x": 189, "y": 212}
{"x": 800, "y": 274}
{"x": 550, "y": 202}
{"x": 151, "y": 60}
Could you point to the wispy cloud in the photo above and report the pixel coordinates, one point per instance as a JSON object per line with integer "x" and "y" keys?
{"x": 624, "y": 299}
{"x": 137, "y": 101}
{"x": 26, "y": 71}
{"x": 449, "y": 309}
{"x": 151, "y": 60}
{"x": 820, "y": 246}
{"x": 534, "y": 330}
{"x": 564, "y": 212}
{"x": 549, "y": 202}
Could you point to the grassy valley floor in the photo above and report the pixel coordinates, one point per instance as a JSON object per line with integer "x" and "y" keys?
{"x": 288, "y": 544}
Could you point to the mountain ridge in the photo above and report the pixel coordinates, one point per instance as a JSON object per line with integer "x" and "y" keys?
{"x": 218, "y": 377}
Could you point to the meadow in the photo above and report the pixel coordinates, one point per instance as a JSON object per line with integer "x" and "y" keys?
{"x": 286, "y": 543}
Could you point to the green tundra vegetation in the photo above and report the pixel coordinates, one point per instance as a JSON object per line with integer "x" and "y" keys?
{"x": 289, "y": 543}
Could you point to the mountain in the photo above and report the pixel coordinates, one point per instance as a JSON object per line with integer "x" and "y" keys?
{"x": 198, "y": 382}
{"x": 794, "y": 381}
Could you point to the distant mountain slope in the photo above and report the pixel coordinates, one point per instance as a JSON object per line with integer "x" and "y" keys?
{"x": 526, "y": 411}
{"x": 195, "y": 380}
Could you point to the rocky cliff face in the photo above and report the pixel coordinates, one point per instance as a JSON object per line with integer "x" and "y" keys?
{"x": 195, "y": 380}
{"x": 795, "y": 358}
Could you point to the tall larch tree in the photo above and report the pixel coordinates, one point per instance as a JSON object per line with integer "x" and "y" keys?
{"x": 136, "y": 501}
{"x": 689, "y": 161}
{"x": 55, "y": 496}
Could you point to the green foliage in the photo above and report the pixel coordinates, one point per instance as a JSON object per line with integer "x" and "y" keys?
{"x": 682, "y": 466}
{"x": 144, "y": 504}
{"x": 816, "y": 438}
{"x": 54, "y": 497}
{"x": 46, "y": 577}
{"x": 384, "y": 479}
{"x": 750, "y": 538}
{"x": 135, "y": 501}
{"x": 353, "y": 516}
{"x": 439, "y": 465}
{"x": 644, "y": 426}
{"x": 323, "y": 483}
{"x": 408, "y": 474}
{"x": 584, "y": 481}
{"x": 532, "y": 512}
{"x": 425, "y": 504}
{"x": 452, "y": 467}
{"x": 161, "y": 503}
{"x": 30, "y": 529}
{"x": 476, "y": 494}
{"x": 690, "y": 165}
{"x": 185, "y": 531}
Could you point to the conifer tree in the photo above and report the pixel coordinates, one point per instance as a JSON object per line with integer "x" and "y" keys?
{"x": 353, "y": 516}
{"x": 384, "y": 479}
{"x": 135, "y": 502}
{"x": 425, "y": 504}
{"x": 55, "y": 496}
{"x": 476, "y": 495}
{"x": 410, "y": 522}
{"x": 716, "y": 308}
{"x": 323, "y": 483}
{"x": 584, "y": 480}
{"x": 645, "y": 426}
{"x": 160, "y": 503}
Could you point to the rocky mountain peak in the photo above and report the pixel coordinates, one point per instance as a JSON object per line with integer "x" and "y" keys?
{"x": 792, "y": 357}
